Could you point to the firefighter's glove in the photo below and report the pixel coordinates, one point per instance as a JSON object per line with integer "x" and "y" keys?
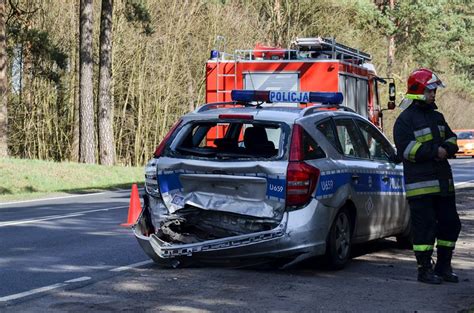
{"x": 442, "y": 154}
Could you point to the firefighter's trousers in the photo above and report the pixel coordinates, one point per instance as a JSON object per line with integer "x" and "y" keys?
{"x": 434, "y": 218}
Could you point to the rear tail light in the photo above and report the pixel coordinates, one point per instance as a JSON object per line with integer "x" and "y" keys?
{"x": 161, "y": 146}
{"x": 301, "y": 178}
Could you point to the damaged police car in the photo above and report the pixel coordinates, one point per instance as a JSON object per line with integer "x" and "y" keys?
{"x": 243, "y": 182}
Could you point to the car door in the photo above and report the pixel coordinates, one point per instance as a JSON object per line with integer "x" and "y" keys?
{"x": 356, "y": 161}
{"x": 385, "y": 182}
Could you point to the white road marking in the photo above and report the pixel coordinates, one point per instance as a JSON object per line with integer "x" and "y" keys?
{"x": 56, "y": 217}
{"x": 31, "y": 292}
{"x": 462, "y": 161}
{"x": 75, "y": 280}
{"x": 134, "y": 265}
{"x": 54, "y": 198}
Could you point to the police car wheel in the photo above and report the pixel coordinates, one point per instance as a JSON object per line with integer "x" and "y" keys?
{"x": 339, "y": 240}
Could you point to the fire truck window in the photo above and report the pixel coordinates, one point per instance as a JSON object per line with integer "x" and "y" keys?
{"x": 342, "y": 89}
{"x": 349, "y": 138}
{"x": 351, "y": 89}
{"x": 378, "y": 147}
{"x": 362, "y": 91}
{"x": 355, "y": 91}
{"x": 272, "y": 81}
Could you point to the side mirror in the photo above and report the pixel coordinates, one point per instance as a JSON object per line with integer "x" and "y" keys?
{"x": 391, "y": 96}
{"x": 391, "y": 92}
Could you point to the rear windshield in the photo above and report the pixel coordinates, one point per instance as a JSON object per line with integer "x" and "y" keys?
{"x": 230, "y": 140}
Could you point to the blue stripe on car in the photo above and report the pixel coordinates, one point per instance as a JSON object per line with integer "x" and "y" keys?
{"x": 169, "y": 181}
{"x": 327, "y": 186}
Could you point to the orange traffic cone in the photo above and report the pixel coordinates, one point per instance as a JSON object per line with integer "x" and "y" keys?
{"x": 134, "y": 209}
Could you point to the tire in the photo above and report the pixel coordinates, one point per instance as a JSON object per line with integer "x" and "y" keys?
{"x": 339, "y": 243}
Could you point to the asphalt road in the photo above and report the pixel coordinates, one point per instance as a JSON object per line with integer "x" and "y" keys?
{"x": 463, "y": 170}
{"x": 67, "y": 242}
{"x": 44, "y": 244}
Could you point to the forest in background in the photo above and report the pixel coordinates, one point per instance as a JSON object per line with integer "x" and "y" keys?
{"x": 159, "y": 49}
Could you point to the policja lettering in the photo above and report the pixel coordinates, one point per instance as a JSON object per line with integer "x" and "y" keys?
{"x": 289, "y": 96}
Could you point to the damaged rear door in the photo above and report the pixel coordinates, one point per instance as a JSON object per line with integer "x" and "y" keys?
{"x": 235, "y": 166}
{"x": 223, "y": 178}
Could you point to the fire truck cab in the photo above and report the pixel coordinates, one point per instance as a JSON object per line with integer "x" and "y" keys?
{"x": 310, "y": 64}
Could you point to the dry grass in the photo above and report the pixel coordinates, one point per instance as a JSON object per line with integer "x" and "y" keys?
{"x": 22, "y": 178}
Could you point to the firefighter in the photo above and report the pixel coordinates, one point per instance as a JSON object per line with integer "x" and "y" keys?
{"x": 424, "y": 142}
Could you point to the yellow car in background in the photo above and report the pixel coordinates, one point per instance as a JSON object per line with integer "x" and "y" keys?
{"x": 465, "y": 142}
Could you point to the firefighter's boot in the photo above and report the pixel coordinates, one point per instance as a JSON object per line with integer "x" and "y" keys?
{"x": 443, "y": 267}
{"x": 425, "y": 268}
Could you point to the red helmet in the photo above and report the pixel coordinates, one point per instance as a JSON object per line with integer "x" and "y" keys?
{"x": 419, "y": 80}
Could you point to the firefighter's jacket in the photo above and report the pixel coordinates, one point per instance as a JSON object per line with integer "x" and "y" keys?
{"x": 418, "y": 132}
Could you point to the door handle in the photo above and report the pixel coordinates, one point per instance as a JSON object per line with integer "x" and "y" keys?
{"x": 355, "y": 176}
{"x": 385, "y": 179}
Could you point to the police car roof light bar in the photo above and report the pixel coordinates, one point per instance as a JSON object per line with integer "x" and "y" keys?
{"x": 286, "y": 96}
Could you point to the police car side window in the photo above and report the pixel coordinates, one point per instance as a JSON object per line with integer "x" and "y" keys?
{"x": 378, "y": 147}
{"x": 349, "y": 139}
{"x": 311, "y": 149}
{"x": 326, "y": 127}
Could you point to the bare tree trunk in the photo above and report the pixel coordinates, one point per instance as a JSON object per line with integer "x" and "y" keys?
{"x": 391, "y": 46}
{"x": 74, "y": 100}
{"x": 106, "y": 104}
{"x": 87, "y": 137}
{"x": 277, "y": 11}
{"x": 3, "y": 84}
{"x": 75, "y": 146}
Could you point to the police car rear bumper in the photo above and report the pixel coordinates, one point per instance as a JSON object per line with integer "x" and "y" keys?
{"x": 301, "y": 234}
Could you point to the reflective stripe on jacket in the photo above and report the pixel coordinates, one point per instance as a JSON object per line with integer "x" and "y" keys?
{"x": 418, "y": 133}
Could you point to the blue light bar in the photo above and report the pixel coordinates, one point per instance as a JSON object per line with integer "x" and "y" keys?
{"x": 249, "y": 95}
{"x": 287, "y": 96}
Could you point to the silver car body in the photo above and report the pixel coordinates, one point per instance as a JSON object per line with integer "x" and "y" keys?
{"x": 244, "y": 192}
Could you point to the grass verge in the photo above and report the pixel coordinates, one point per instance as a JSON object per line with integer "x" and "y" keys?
{"x": 27, "y": 179}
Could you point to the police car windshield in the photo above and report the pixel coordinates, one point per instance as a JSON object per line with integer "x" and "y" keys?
{"x": 229, "y": 140}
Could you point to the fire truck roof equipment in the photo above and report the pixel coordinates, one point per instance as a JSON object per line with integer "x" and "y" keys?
{"x": 330, "y": 48}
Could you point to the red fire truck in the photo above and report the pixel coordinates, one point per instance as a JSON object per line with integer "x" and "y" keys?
{"x": 310, "y": 64}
